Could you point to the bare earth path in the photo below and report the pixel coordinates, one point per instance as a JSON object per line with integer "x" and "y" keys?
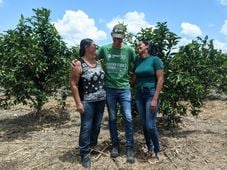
{"x": 27, "y": 143}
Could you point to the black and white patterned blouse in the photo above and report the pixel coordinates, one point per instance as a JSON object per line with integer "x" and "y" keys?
{"x": 92, "y": 81}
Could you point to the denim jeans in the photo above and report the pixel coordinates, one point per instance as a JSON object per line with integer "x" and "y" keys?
{"x": 123, "y": 97}
{"x": 91, "y": 121}
{"x": 144, "y": 97}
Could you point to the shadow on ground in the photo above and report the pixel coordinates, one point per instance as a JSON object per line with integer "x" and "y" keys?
{"x": 19, "y": 127}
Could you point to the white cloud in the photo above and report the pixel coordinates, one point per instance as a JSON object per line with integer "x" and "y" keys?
{"x": 222, "y": 45}
{"x": 190, "y": 30}
{"x": 184, "y": 41}
{"x": 76, "y": 25}
{"x": 224, "y": 28}
{"x": 134, "y": 20}
{"x": 223, "y": 2}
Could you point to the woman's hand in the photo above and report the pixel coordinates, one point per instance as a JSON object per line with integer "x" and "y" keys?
{"x": 80, "y": 108}
{"x": 154, "y": 104}
{"x": 160, "y": 79}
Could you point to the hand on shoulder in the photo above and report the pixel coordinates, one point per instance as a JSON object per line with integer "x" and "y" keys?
{"x": 76, "y": 65}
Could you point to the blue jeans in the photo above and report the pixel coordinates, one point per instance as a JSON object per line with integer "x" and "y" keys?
{"x": 123, "y": 97}
{"x": 91, "y": 121}
{"x": 144, "y": 97}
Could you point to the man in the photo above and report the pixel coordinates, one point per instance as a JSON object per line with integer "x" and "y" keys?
{"x": 118, "y": 60}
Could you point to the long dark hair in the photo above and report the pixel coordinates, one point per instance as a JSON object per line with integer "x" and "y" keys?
{"x": 83, "y": 45}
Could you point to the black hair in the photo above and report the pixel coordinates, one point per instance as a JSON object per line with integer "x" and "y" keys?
{"x": 152, "y": 47}
{"x": 146, "y": 42}
{"x": 83, "y": 45}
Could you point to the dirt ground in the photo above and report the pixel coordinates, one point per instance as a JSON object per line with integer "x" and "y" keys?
{"x": 52, "y": 141}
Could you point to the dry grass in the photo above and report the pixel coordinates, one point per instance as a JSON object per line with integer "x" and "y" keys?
{"x": 52, "y": 141}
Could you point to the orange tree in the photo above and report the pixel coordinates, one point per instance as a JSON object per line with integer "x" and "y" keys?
{"x": 200, "y": 59}
{"x": 34, "y": 61}
{"x": 190, "y": 73}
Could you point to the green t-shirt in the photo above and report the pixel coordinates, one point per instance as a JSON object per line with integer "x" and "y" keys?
{"x": 117, "y": 63}
{"x": 145, "y": 71}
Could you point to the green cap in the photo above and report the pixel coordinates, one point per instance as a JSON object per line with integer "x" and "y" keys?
{"x": 118, "y": 31}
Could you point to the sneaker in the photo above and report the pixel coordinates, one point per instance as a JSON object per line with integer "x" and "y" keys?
{"x": 86, "y": 162}
{"x": 114, "y": 152}
{"x": 130, "y": 155}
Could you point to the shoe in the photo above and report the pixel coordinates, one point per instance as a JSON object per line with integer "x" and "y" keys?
{"x": 86, "y": 162}
{"x": 148, "y": 155}
{"x": 130, "y": 155}
{"x": 160, "y": 157}
{"x": 114, "y": 152}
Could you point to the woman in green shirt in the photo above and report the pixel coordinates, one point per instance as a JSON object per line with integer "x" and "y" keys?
{"x": 149, "y": 79}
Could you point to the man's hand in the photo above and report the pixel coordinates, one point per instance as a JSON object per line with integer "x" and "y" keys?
{"x": 74, "y": 63}
{"x": 133, "y": 79}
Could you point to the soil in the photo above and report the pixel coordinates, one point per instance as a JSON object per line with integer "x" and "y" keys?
{"x": 51, "y": 141}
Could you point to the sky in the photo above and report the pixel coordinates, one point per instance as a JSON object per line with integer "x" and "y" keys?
{"x": 78, "y": 19}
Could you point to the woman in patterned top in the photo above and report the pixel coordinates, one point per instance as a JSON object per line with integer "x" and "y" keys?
{"x": 87, "y": 85}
